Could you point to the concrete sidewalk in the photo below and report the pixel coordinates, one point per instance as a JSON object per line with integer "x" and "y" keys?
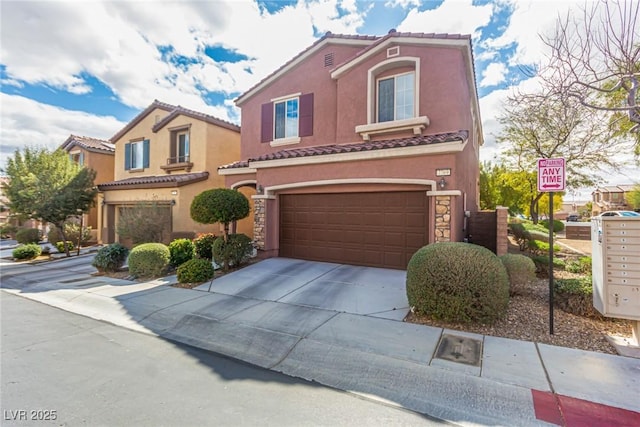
{"x": 341, "y": 326}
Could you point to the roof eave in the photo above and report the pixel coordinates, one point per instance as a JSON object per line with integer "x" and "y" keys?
{"x": 296, "y": 61}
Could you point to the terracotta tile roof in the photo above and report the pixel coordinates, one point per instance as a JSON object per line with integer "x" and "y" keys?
{"x": 174, "y": 111}
{"x": 327, "y": 36}
{"x": 88, "y": 143}
{"x": 395, "y": 34}
{"x": 179, "y": 110}
{"x": 156, "y": 181}
{"x": 323, "y": 150}
{"x": 374, "y": 41}
{"x": 144, "y": 113}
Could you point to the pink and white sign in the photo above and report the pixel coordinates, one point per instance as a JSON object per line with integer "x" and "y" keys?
{"x": 551, "y": 175}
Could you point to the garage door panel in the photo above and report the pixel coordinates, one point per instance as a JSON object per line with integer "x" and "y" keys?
{"x": 377, "y": 229}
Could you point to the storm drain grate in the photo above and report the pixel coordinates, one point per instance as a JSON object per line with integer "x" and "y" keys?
{"x": 459, "y": 349}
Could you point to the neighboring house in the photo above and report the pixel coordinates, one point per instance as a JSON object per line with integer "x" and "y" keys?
{"x": 611, "y": 198}
{"x": 164, "y": 156}
{"x": 363, "y": 149}
{"x": 4, "y": 201}
{"x": 98, "y": 155}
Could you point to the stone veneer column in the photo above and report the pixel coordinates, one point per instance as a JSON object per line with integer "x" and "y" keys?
{"x": 502, "y": 216}
{"x": 259, "y": 209}
{"x": 443, "y": 219}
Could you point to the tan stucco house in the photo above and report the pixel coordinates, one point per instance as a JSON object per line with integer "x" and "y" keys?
{"x": 611, "y": 198}
{"x": 363, "y": 148}
{"x": 98, "y": 155}
{"x": 167, "y": 155}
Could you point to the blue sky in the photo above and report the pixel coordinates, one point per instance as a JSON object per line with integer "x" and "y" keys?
{"x": 87, "y": 68}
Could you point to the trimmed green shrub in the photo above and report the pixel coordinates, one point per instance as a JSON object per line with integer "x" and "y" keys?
{"x": 575, "y": 296}
{"x": 520, "y": 234}
{"x": 457, "y": 282}
{"x": 537, "y": 247}
{"x": 28, "y": 251}
{"x": 204, "y": 245}
{"x": 72, "y": 231}
{"x": 195, "y": 270}
{"x": 557, "y": 225}
{"x": 28, "y": 235}
{"x": 235, "y": 252}
{"x": 181, "y": 251}
{"x": 149, "y": 260}
{"x": 110, "y": 258}
{"x": 60, "y": 246}
{"x": 521, "y": 271}
{"x": 581, "y": 266}
{"x": 542, "y": 264}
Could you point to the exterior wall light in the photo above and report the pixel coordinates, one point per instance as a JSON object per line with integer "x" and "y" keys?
{"x": 442, "y": 183}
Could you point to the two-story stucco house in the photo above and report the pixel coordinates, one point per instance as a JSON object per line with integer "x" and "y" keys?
{"x": 363, "y": 149}
{"x": 165, "y": 156}
{"x": 98, "y": 155}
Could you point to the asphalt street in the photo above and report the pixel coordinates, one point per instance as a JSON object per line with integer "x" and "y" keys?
{"x": 59, "y": 368}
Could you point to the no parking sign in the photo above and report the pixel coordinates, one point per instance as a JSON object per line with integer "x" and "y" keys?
{"x": 551, "y": 174}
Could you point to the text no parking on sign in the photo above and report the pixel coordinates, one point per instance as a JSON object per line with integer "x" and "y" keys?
{"x": 551, "y": 174}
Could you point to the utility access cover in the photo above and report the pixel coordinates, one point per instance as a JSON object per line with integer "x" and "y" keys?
{"x": 459, "y": 349}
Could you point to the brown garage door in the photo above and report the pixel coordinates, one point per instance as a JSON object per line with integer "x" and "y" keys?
{"x": 373, "y": 229}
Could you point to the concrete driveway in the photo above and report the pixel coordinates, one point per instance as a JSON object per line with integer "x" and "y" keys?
{"x": 369, "y": 291}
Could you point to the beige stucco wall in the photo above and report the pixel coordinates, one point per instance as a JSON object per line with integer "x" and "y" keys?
{"x": 210, "y": 146}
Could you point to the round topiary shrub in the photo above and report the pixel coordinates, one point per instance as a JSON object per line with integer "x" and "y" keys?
{"x": 28, "y": 251}
{"x": 149, "y": 260}
{"x": 457, "y": 282}
{"x": 181, "y": 251}
{"x": 28, "y": 235}
{"x": 235, "y": 251}
{"x": 521, "y": 271}
{"x": 110, "y": 258}
{"x": 60, "y": 246}
{"x": 195, "y": 270}
{"x": 204, "y": 245}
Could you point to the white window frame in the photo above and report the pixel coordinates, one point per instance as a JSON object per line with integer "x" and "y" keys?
{"x": 285, "y": 100}
{"x": 136, "y": 164}
{"x": 395, "y": 94}
{"x": 187, "y": 154}
{"x": 373, "y": 77}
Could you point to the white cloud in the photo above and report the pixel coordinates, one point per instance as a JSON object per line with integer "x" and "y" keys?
{"x": 25, "y": 122}
{"x": 452, "y": 16}
{"x": 493, "y": 75}
{"x": 528, "y": 21}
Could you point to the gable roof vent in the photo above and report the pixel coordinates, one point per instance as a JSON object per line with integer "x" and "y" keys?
{"x": 328, "y": 60}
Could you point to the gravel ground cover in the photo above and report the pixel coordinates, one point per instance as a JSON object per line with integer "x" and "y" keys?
{"x": 527, "y": 318}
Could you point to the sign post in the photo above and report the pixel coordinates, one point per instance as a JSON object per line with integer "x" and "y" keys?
{"x": 551, "y": 177}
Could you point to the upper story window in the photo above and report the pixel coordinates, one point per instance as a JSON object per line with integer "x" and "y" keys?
{"x": 286, "y": 119}
{"x": 179, "y": 150}
{"x": 77, "y": 157}
{"x": 393, "y": 98}
{"x": 182, "y": 146}
{"x": 396, "y": 97}
{"x": 136, "y": 155}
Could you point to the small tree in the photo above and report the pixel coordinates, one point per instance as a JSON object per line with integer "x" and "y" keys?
{"x": 221, "y": 205}
{"x": 77, "y": 196}
{"x": 143, "y": 222}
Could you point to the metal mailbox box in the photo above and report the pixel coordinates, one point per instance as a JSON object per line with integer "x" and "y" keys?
{"x": 616, "y": 267}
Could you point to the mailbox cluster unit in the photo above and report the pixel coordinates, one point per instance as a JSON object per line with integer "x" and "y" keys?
{"x": 616, "y": 267}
